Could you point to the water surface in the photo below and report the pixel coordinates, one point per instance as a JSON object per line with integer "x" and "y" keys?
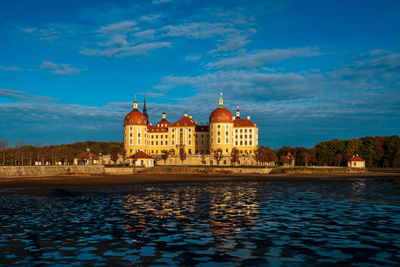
{"x": 206, "y": 224}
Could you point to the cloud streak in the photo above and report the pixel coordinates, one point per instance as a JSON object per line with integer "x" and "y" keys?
{"x": 264, "y": 57}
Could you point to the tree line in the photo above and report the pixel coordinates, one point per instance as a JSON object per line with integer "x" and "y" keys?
{"x": 378, "y": 151}
{"x": 21, "y": 154}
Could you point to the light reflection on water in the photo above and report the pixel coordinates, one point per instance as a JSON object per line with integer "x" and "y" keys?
{"x": 215, "y": 223}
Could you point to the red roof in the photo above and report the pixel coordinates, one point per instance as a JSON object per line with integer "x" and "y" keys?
{"x": 184, "y": 121}
{"x": 243, "y": 123}
{"x": 135, "y": 117}
{"x": 356, "y": 158}
{"x": 289, "y": 156}
{"x": 88, "y": 154}
{"x": 154, "y": 129}
{"x": 221, "y": 115}
{"x": 163, "y": 123}
{"x": 140, "y": 155}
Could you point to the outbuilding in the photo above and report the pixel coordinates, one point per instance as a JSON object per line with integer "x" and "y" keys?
{"x": 141, "y": 159}
{"x": 356, "y": 162}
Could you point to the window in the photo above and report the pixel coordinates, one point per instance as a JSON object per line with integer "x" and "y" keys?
{"x": 162, "y": 136}
{"x": 250, "y": 136}
{"x": 156, "y": 151}
{"x": 219, "y": 133}
{"x": 130, "y": 151}
{"x": 219, "y": 140}
{"x": 241, "y": 143}
{"x": 245, "y": 130}
{"x": 173, "y": 136}
{"x": 152, "y": 143}
{"x": 250, "y": 143}
{"x": 236, "y": 136}
{"x": 190, "y": 142}
{"x": 219, "y": 126}
{"x": 224, "y": 161}
{"x": 166, "y": 136}
{"x": 190, "y": 151}
{"x": 226, "y": 141}
{"x": 157, "y": 136}
{"x": 241, "y": 130}
{"x": 173, "y": 142}
{"x": 131, "y": 134}
{"x": 161, "y": 142}
{"x": 241, "y": 136}
{"x": 236, "y": 130}
{"x": 250, "y": 131}
{"x": 156, "y": 143}
{"x": 166, "y": 142}
{"x": 245, "y": 136}
{"x": 181, "y": 130}
{"x": 226, "y": 150}
{"x": 226, "y": 133}
{"x": 245, "y": 143}
{"x": 236, "y": 143}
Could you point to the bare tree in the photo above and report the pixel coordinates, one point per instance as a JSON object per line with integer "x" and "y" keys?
{"x": 182, "y": 153}
{"x": 234, "y": 155}
{"x": 164, "y": 156}
{"x": 114, "y": 156}
{"x": 218, "y": 155}
{"x": 3, "y": 148}
{"x": 203, "y": 158}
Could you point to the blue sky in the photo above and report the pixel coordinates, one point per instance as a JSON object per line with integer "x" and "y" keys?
{"x": 305, "y": 71}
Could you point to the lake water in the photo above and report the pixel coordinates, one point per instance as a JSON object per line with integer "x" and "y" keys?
{"x": 206, "y": 224}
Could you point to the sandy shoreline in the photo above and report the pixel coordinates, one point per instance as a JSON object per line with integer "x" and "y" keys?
{"x": 93, "y": 180}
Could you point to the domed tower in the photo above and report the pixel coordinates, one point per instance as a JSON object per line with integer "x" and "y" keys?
{"x": 135, "y": 129}
{"x": 221, "y": 129}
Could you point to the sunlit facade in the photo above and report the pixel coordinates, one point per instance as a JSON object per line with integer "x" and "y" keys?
{"x": 224, "y": 131}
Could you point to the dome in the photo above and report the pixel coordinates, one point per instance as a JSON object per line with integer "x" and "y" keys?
{"x": 135, "y": 117}
{"x": 221, "y": 115}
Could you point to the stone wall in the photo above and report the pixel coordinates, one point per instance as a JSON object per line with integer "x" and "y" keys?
{"x": 7, "y": 171}
{"x": 49, "y": 170}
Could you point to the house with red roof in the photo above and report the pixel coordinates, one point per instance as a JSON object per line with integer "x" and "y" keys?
{"x": 356, "y": 162}
{"x": 141, "y": 159}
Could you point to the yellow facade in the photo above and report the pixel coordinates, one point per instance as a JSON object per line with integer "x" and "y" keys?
{"x": 224, "y": 132}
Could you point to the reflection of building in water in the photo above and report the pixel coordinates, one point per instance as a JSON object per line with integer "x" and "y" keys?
{"x": 231, "y": 210}
{"x": 220, "y": 211}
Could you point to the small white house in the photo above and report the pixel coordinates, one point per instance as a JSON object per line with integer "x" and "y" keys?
{"x": 356, "y": 162}
{"x": 141, "y": 159}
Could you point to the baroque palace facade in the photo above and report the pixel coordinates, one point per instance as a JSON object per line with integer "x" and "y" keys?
{"x": 224, "y": 131}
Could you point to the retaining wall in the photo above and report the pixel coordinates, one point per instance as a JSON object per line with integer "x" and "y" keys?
{"x": 49, "y": 170}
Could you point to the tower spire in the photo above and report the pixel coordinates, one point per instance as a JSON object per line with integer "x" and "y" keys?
{"x": 135, "y": 106}
{"x": 237, "y": 113}
{"x": 145, "y": 110}
{"x": 221, "y": 101}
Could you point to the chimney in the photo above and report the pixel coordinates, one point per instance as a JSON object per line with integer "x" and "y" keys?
{"x": 185, "y": 114}
{"x": 190, "y": 116}
{"x": 164, "y": 116}
{"x": 248, "y": 117}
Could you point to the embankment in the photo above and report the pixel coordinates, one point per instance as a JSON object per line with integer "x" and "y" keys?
{"x": 41, "y": 171}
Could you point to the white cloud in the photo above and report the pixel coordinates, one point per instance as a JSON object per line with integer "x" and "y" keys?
{"x": 198, "y": 30}
{"x": 60, "y": 69}
{"x": 160, "y": 1}
{"x": 5, "y": 68}
{"x": 263, "y": 57}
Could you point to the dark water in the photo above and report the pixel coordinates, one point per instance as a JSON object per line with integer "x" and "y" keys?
{"x": 207, "y": 224}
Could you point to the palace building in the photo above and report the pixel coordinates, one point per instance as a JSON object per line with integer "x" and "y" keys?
{"x": 223, "y": 132}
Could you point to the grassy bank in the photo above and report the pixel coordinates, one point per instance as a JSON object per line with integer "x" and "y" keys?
{"x": 316, "y": 170}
